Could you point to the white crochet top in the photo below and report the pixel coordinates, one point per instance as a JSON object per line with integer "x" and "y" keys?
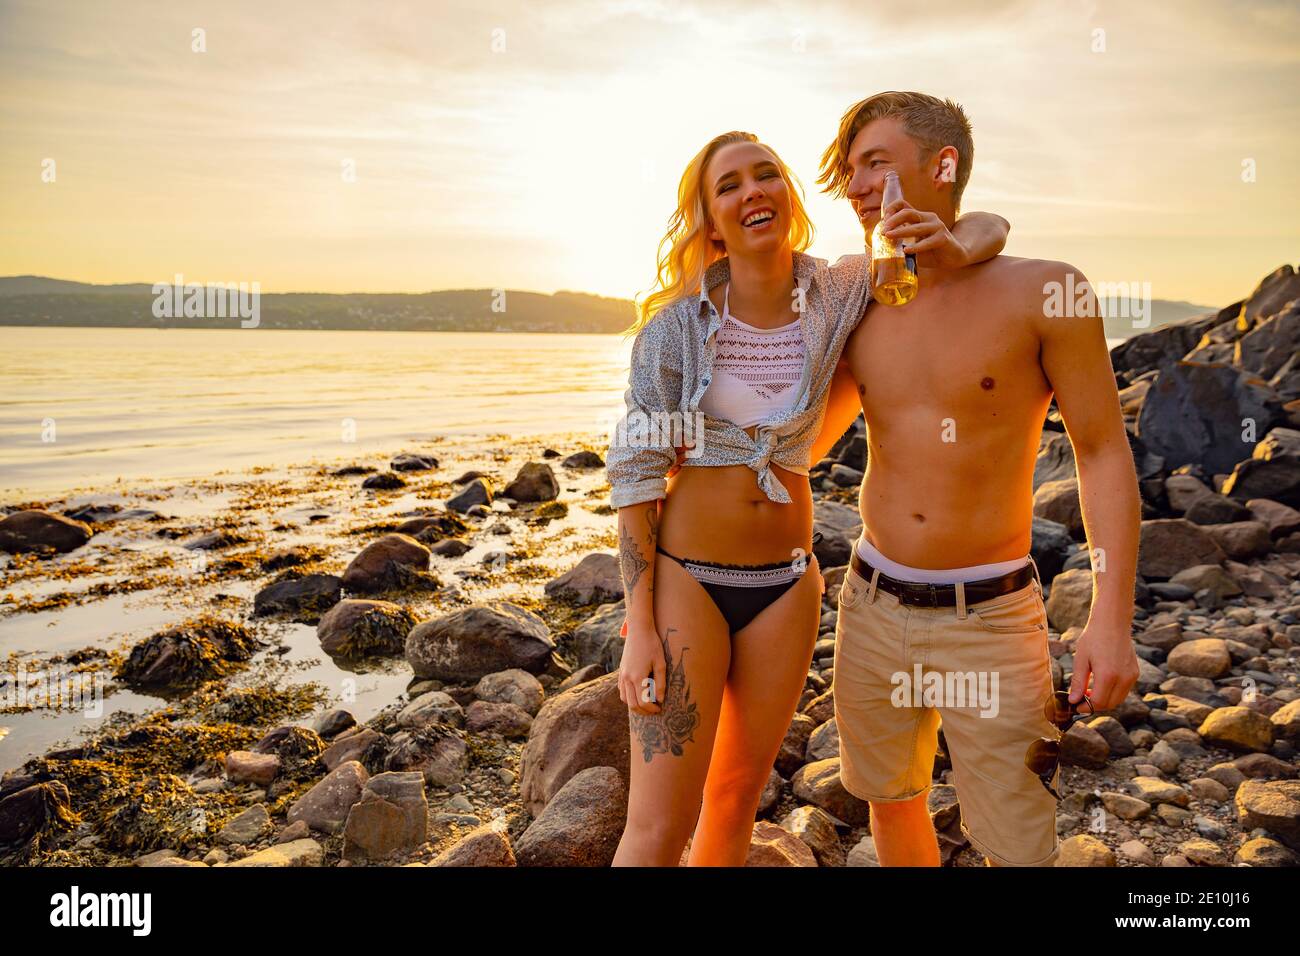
{"x": 755, "y": 371}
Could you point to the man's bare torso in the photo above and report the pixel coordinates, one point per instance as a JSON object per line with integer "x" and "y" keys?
{"x": 954, "y": 398}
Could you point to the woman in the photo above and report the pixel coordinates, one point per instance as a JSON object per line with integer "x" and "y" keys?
{"x": 722, "y": 593}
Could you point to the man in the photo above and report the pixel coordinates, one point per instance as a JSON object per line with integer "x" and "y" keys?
{"x": 955, "y": 386}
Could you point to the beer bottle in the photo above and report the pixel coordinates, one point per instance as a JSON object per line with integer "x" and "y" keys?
{"x": 893, "y": 269}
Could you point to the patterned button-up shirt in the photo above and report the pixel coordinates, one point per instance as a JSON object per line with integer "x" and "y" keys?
{"x": 672, "y": 366}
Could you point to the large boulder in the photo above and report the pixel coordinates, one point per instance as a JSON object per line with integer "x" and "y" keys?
{"x": 1272, "y": 471}
{"x": 596, "y": 579}
{"x": 1050, "y": 545}
{"x": 1059, "y": 501}
{"x": 1168, "y": 545}
{"x": 38, "y": 530}
{"x": 1271, "y": 344}
{"x": 1070, "y": 600}
{"x": 1165, "y": 345}
{"x": 535, "y": 482}
{"x": 586, "y": 726}
{"x": 381, "y": 564}
{"x": 481, "y": 639}
{"x": 581, "y": 825}
{"x": 1055, "y": 461}
{"x": 1195, "y": 411}
{"x": 357, "y": 627}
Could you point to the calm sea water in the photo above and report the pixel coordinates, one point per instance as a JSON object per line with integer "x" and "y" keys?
{"x": 82, "y": 408}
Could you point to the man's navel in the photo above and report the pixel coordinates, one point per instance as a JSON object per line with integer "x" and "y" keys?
{"x": 987, "y": 383}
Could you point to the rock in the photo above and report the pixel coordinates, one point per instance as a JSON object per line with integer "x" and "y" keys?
{"x": 1202, "y": 853}
{"x": 386, "y": 563}
{"x": 794, "y": 746}
{"x": 384, "y": 481}
{"x": 477, "y": 492}
{"x": 1112, "y": 731}
{"x": 325, "y": 806}
{"x": 248, "y": 827}
{"x": 1164, "y": 345}
{"x": 296, "y": 853}
{"x": 357, "y": 627}
{"x": 1262, "y": 851}
{"x": 586, "y": 726}
{"x": 472, "y": 642}
{"x": 508, "y": 720}
{"x": 433, "y": 707}
{"x": 1168, "y": 545}
{"x": 1183, "y": 491}
{"x": 431, "y": 529}
{"x": 1194, "y": 410}
{"x": 38, "y": 530}
{"x": 1208, "y": 790}
{"x": 816, "y": 829}
{"x": 597, "y": 640}
{"x": 1124, "y": 806}
{"x": 1156, "y": 791}
{"x": 450, "y": 548}
{"x": 1059, "y": 501}
{"x": 1082, "y": 746}
{"x": 198, "y": 650}
{"x": 1272, "y": 471}
{"x": 512, "y": 686}
{"x": 1205, "y": 657}
{"x": 581, "y": 825}
{"x": 1238, "y": 728}
{"x": 1216, "y": 510}
{"x": 844, "y": 476}
{"x": 28, "y": 812}
{"x": 863, "y": 853}
{"x": 1209, "y": 577}
{"x": 596, "y": 579}
{"x": 1270, "y": 344}
{"x": 1277, "y": 517}
{"x": 1070, "y": 599}
{"x": 305, "y": 598}
{"x": 1138, "y": 852}
{"x": 943, "y": 805}
{"x": 1084, "y": 850}
{"x": 819, "y": 784}
{"x": 1164, "y": 757}
{"x": 770, "y": 845}
{"x": 1055, "y": 460}
{"x": 333, "y": 722}
{"x": 1273, "y": 805}
{"x": 487, "y": 845}
{"x": 1286, "y": 720}
{"x": 412, "y": 462}
{"x": 245, "y": 767}
{"x": 583, "y": 459}
{"x": 436, "y": 751}
{"x": 823, "y": 742}
{"x": 1241, "y": 540}
{"x": 1051, "y": 546}
{"x": 391, "y": 817}
{"x": 1165, "y": 636}
{"x": 353, "y": 746}
{"x": 535, "y": 482}
{"x": 840, "y": 525}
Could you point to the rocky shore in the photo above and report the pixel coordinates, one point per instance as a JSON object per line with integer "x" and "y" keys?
{"x": 464, "y": 608}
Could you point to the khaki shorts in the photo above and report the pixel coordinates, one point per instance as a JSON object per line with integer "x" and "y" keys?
{"x": 899, "y": 670}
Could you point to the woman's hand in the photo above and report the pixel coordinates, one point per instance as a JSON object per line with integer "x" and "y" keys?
{"x": 643, "y": 656}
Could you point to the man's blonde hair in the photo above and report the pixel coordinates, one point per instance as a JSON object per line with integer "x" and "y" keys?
{"x": 933, "y": 123}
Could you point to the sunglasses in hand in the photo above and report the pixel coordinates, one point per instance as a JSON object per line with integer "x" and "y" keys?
{"x": 1044, "y": 754}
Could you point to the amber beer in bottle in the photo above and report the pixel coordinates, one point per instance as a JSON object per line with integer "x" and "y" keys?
{"x": 893, "y": 270}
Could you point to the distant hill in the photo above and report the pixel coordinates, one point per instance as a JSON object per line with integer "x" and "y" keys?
{"x": 37, "y": 300}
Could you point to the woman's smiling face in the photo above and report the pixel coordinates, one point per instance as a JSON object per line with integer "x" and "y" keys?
{"x": 743, "y": 184}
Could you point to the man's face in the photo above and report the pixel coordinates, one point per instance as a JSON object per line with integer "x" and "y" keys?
{"x": 881, "y": 146}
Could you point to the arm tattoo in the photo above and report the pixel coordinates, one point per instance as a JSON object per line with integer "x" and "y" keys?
{"x": 674, "y": 725}
{"x": 631, "y": 561}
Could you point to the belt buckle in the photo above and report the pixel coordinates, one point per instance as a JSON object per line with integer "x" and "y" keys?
{"x": 921, "y": 594}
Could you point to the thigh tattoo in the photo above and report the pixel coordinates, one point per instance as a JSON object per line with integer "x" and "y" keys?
{"x": 674, "y": 725}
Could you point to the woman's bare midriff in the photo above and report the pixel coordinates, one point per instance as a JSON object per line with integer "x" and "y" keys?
{"x": 718, "y": 513}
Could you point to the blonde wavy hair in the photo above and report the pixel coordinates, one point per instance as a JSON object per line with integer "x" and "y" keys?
{"x": 686, "y": 250}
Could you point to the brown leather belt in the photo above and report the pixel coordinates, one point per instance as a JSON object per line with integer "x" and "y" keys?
{"x": 915, "y": 594}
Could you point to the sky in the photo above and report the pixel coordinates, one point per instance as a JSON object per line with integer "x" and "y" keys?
{"x": 403, "y": 146}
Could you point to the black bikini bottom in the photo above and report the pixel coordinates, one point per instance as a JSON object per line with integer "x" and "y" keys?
{"x": 741, "y": 591}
